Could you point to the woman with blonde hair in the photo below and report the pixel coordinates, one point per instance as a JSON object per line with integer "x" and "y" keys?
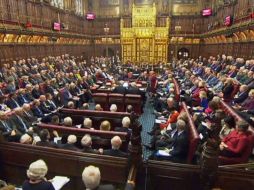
{"x": 36, "y": 177}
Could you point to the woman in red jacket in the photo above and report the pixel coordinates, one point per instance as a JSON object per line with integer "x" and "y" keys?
{"x": 234, "y": 144}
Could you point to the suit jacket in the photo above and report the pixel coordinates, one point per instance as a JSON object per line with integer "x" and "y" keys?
{"x": 36, "y": 93}
{"x": 241, "y": 97}
{"x": 22, "y": 99}
{"x": 113, "y": 152}
{"x": 12, "y": 103}
{"x": 133, "y": 90}
{"x": 47, "y": 144}
{"x": 90, "y": 150}
{"x": 37, "y": 112}
{"x": 66, "y": 96}
{"x": 180, "y": 147}
{"x": 227, "y": 91}
{"x": 29, "y": 116}
{"x": 21, "y": 124}
{"x": 44, "y": 107}
{"x": 120, "y": 90}
{"x": 6, "y": 127}
{"x": 105, "y": 187}
{"x": 68, "y": 147}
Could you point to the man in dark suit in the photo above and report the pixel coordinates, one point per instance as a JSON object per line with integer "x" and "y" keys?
{"x": 12, "y": 101}
{"x": 28, "y": 114}
{"x": 125, "y": 126}
{"x": 116, "y": 143}
{"x": 20, "y": 122}
{"x": 8, "y": 129}
{"x": 91, "y": 177}
{"x": 242, "y": 94}
{"x": 70, "y": 145}
{"x": 36, "y": 91}
{"x": 133, "y": 89}
{"x": 120, "y": 89}
{"x": 21, "y": 97}
{"x": 86, "y": 142}
{"x": 45, "y": 136}
{"x": 178, "y": 148}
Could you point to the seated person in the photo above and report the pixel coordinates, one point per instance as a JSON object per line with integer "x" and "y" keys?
{"x": 85, "y": 106}
{"x": 71, "y": 105}
{"x": 67, "y": 122}
{"x": 55, "y": 120}
{"x": 105, "y": 126}
{"x": 177, "y": 149}
{"x": 87, "y": 124}
{"x": 228, "y": 125}
{"x": 234, "y": 144}
{"x": 26, "y": 139}
{"x": 3, "y": 106}
{"x": 8, "y": 129}
{"x": 113, "y": 108}
{"x": 36, "y": 177}
{"x": 91, "y": 177}
{"x": 45, "y": 139}
{"x": 70, "y": 145}
{"x": 98, "y": 107}
{"x": 116, "y": 143}
{"x": 129, "y": 109}
{"x": 125, "y": 126}
{"x": 86, "y": 143}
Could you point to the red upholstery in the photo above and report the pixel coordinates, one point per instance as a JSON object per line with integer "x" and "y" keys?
{"x": 102, "y": 99}
{"x": 117, "y": 99}
{"x": 177, "y": 90}
{"x": 135, "y": 101}
{"x": 193, "y": 136}
{"x": 245, "y": 156}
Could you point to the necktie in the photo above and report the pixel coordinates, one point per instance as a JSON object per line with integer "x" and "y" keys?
{"x": 6, "y": 126}
{"x": 54, "y": 105}
{"x": 22, "y": 122}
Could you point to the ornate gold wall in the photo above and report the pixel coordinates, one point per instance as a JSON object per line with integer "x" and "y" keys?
{"x": 144, "y": 40}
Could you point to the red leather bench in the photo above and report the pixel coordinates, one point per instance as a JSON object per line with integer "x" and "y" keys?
{"x": 177, "y": 90}
{"x": 193, "y": 135}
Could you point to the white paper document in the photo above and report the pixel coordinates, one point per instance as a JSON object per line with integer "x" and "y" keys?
{"x": 59, "y": 181}
{"x": 163, "y": 153}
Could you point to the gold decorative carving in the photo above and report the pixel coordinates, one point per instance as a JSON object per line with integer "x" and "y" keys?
{"x": 144, "y": 41}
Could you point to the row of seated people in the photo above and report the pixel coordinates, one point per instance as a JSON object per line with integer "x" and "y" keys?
{"x": 233, "y": 83}
{"x": 208, "y": 107}
{"x": 37, "y": 172}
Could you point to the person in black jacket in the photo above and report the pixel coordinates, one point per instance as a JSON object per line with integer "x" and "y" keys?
{"x": 45, "y": 136}
{"x": 242, "y": 94}
{"x": 120, "y": 89}
{"x": 91, "y": 177}
{"x": 228, "y": 89}
{"x": 116, "y": 143}
{"x": 36, "y": 174}
{"x": 86, "y": 142}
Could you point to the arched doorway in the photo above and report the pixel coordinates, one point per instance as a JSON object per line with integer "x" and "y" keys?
{"x": 111, "y": 52}
{"x": 183, "y": 53}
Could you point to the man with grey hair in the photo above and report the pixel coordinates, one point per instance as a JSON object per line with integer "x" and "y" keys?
{"x": 125, "y": 126}
{"x": 70, "y": 145}
{"x": 86, "y": 142}
{"x": 178, "y": 148}
{"x": 91, "y": 177}
{"x": 87, "y": 124}
{"x": 67, "y": 122}
{"x": 116, "y": 143}
{"x": 19, "y": 120}
{"x": 113, "y": 108}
